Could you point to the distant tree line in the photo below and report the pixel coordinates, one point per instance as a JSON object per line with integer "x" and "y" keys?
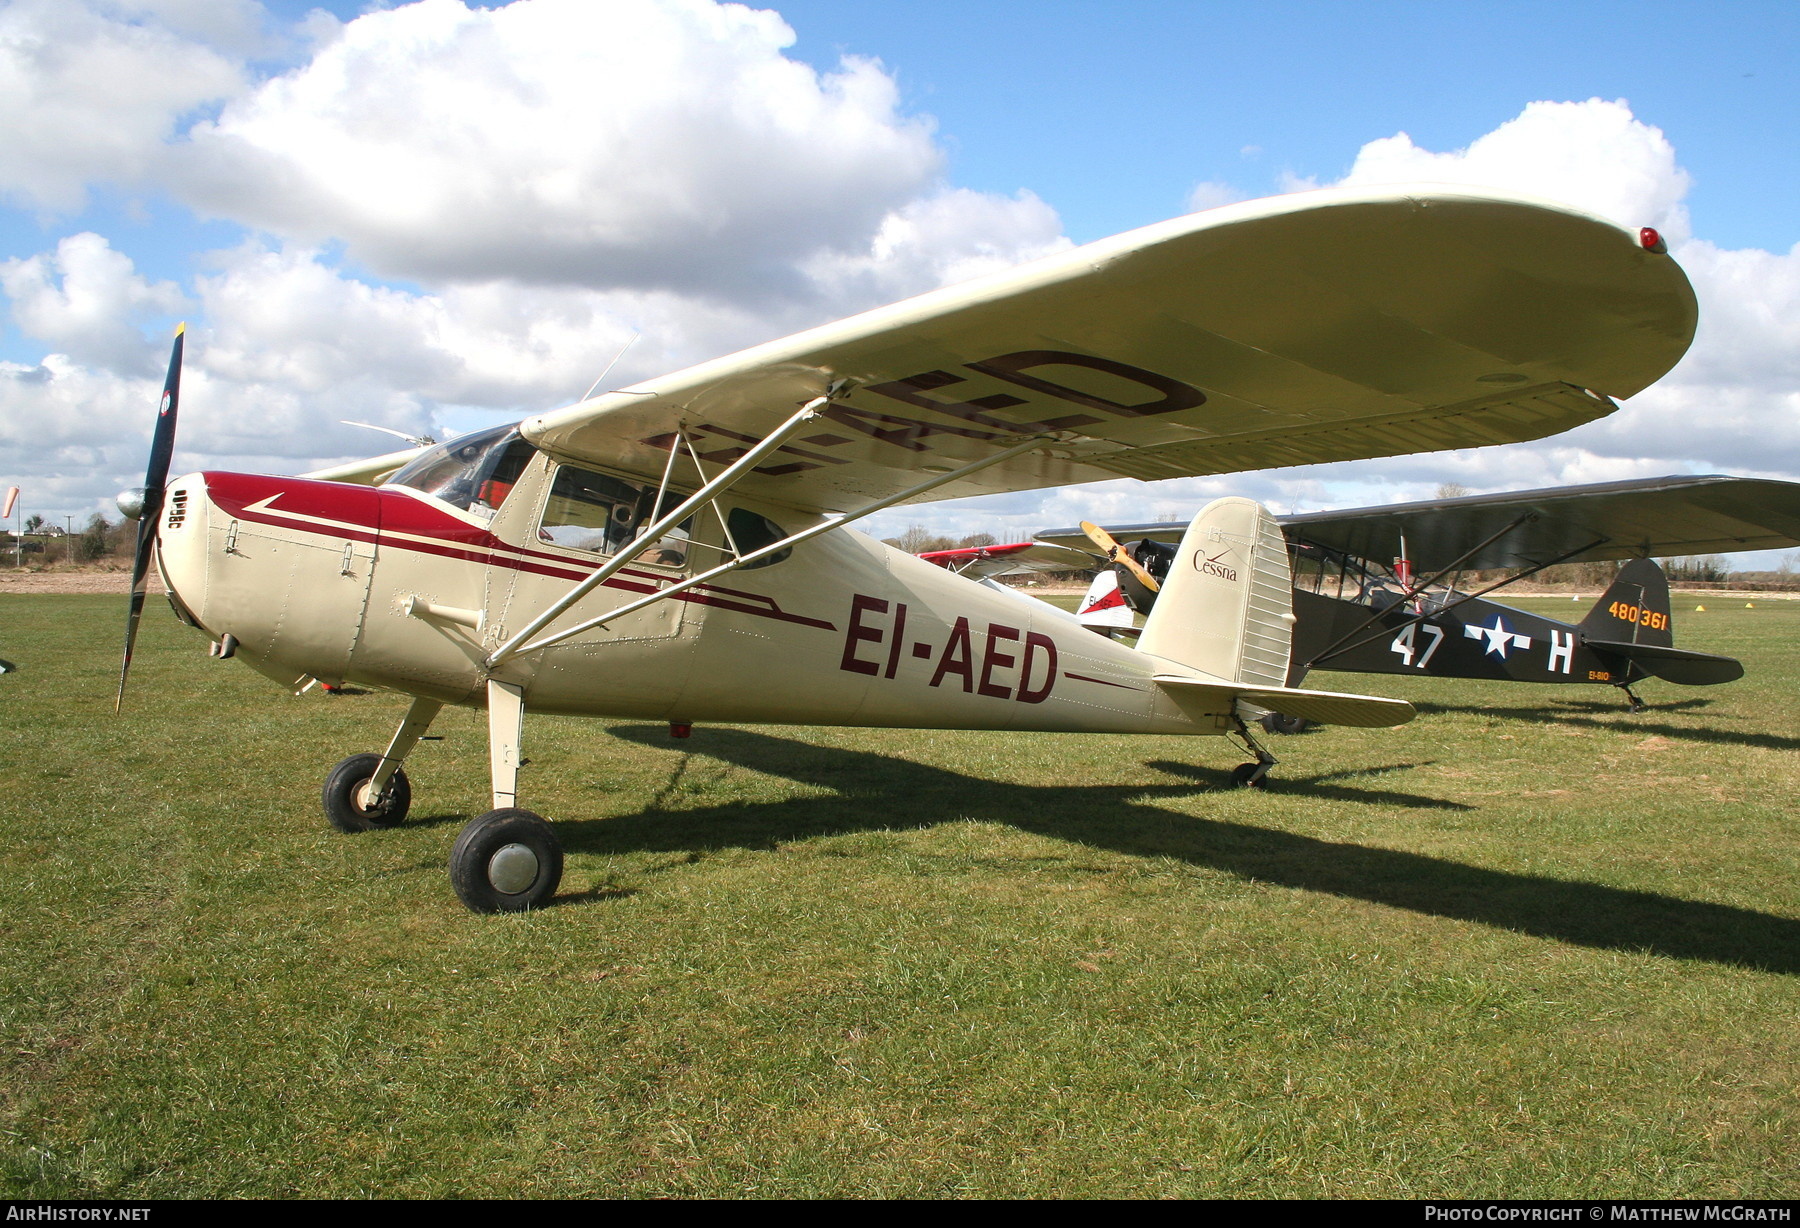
{"x": 99, "y": 540}
{"x": 919, "y": 540}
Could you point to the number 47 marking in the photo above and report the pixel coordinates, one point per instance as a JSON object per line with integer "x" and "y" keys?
{"x": 1406, "y": 642}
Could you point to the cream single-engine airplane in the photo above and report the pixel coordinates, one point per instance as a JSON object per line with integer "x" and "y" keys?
{"x": 680, "y": 550}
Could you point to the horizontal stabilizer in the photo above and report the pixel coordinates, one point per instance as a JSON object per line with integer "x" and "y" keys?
{"x": 1676, "y": 665}
{"x": 1320, "y": 707}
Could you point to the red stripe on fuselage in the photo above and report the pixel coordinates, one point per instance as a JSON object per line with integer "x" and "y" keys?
{"x": 1103, "y": 682}
{"x": 351, "y": 512}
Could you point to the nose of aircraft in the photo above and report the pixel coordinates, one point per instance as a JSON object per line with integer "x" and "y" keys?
{"x": 181, "y": 544}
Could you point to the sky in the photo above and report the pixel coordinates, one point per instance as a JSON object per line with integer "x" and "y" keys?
{"x": 437, "y": 216}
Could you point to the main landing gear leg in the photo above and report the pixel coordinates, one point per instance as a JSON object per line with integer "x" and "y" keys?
{"x": 507, "y": 860}
{"x": 418, "y": 719}
{"x": 1251, "y": 775}
{"x": 366, "y": 791}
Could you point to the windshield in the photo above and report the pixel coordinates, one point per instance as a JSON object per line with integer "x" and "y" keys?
{"x": 473, "y": 473}
{"x": 1348, "y": 578}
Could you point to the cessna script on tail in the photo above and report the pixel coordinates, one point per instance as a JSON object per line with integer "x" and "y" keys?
{"x": 680, "y": 550}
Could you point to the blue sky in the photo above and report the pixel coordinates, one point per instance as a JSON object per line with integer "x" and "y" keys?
{"x": 1011, "y": 128}
{"x": 1111, "y": 112}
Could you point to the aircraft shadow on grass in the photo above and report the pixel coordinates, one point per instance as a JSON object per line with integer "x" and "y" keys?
{"x": 1591, "y": 714}
{"x": 872, "y": 792}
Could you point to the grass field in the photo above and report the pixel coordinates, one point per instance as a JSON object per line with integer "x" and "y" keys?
{"x": 1527, "y": 946}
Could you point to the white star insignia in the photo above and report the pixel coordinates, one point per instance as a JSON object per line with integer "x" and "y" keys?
{"x": 1499, "y": 637}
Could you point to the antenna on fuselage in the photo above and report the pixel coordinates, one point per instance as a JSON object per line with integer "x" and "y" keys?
{"x": 417, "y": 441}
{"x": 635, "y": 334}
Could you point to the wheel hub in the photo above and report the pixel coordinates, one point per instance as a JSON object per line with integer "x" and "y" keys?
{"x": 512, "y": 869}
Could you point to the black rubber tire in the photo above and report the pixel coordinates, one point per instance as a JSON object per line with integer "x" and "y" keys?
{"x": 474, "y": 868}
{"x": 341, "y": 810}
{"x": 1241, "y": 777}
{"x": 1281, "y": 722}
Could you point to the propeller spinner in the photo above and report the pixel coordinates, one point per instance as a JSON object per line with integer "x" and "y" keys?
{"x": 156, "y": 476}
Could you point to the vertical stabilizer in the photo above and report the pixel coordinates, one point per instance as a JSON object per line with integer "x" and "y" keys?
{"x": 1227, "y": 604}
{"x": 1635, "y": 609}
{"x": 1104, "y": 606}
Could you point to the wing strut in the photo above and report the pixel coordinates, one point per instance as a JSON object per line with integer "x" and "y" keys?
{"x": 714, "y": 486}
{"x": 1337, "y": 647}
{"x": 518, "y": 644}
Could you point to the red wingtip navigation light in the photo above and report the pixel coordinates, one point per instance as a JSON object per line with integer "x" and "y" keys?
{"x": 1652, "y": 241}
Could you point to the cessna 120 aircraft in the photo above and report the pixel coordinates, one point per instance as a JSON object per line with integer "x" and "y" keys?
{"x": 1354, "y": 612}
{"x": 679, "y": 550}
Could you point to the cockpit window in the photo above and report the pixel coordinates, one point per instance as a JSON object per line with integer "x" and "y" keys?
{"x": 1333, "y": 573}
{"x": 593, "y": 511}
{"x": 751, "y": 532}
{"x": 473, "y": 472}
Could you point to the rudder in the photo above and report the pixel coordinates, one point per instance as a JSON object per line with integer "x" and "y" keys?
{"x": 1227, "y": 605}
{"x": 1634, "y": 609}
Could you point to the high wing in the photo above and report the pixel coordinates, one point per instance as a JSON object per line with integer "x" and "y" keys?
{"x": 1608, "y": 520}
{"x": 1320, "y": 326}
{"x": 1017, "y": 558}
{"x": 1622, "y": 520}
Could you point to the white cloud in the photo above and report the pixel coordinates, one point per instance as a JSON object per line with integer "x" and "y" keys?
{"x": 1731, "y": 406}
{"x": 551, "y": 177}
{"x": 1209, "y": 195}
{"x": 642, "y": 143}
{"x": 1594, "y": 154}
{"x": 87, "y": 301}
{"x": 1749, "y": 331}
{"x": 288, "y": 344}
{"x": 234, "y": 26}
{"x": 937, "y": 240}
{"x": 90, "y": 99}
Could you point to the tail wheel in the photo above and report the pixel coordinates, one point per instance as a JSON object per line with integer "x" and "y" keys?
{"x": 506, "y": 861}
{"x": 1249, "y": 776}
{"x": 347, "y": 805}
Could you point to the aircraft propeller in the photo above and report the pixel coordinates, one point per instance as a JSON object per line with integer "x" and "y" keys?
{"x": 1117, "y": 553}
{"x": 148, "y": 504}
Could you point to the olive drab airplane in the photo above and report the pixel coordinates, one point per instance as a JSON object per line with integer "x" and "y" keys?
{"x": 1361, "y": 604}
{"x": 680, "y": 550}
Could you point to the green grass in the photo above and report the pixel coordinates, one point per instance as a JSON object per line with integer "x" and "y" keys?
{"x": 1527, "y": 946}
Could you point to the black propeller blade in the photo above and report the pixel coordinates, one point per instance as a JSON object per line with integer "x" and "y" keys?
{"x": 156, "y": 476}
